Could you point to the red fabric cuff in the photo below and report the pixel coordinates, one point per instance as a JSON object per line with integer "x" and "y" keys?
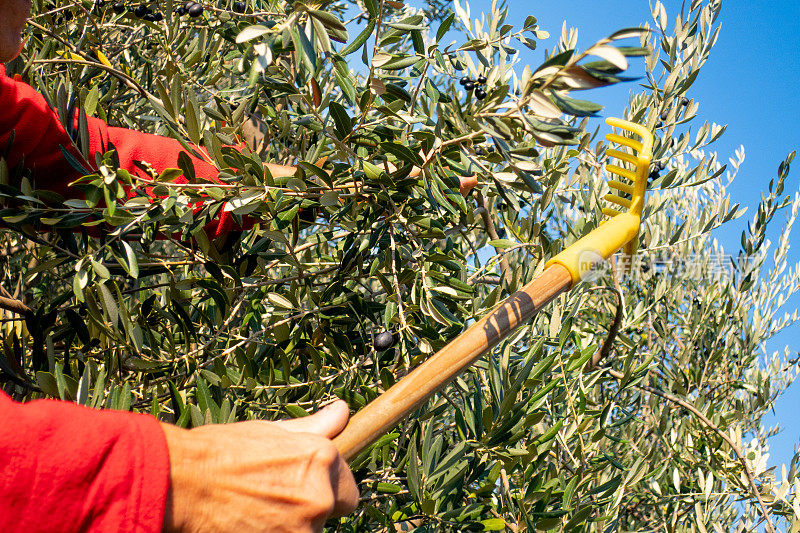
{"x": 69, "y": 468}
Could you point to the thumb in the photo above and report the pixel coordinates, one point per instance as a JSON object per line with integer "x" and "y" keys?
{"x": 327, "y": 422}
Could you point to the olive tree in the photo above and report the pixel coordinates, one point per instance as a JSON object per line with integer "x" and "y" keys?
{"x": 632, "y": 403}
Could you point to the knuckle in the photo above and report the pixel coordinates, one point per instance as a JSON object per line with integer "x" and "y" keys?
{"x": 321, "y": 500}
{"x": 325, "y": 453}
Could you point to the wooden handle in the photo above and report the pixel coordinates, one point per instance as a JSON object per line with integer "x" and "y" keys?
{"x": 386, "y": 410}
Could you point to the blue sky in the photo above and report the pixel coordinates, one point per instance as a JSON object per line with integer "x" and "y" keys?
{"x": 750, "y": 83}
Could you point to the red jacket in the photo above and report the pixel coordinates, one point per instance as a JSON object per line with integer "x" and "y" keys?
{"x": 64, "y": 467}
{"x": 69, "y": 468}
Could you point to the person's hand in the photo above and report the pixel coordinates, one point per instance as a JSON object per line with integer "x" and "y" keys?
{"x": 282, "y": 476}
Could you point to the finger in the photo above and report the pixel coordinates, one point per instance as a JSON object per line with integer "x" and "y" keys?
{"x": 345, "y": 489}
{"x": 327, "y": 422}
{"x": 467, "y": 183}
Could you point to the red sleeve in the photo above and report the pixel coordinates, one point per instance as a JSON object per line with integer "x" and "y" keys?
{"x": 69, "y": 468}
{"x": 38, "y": 136}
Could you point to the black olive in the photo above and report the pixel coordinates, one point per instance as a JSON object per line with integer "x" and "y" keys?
{"x": 385, "y": 340}
{"x": 684, "y": 101}
{"x": 118, "y": 7}
{"x": 665, "y": 114}
{"x": 307, "y": 216}
{"x": 465, "y": 80}
{"x": 661, "y": 165}
{"x": 239, "y": 7}
{"x": 141, "y": 11}
{"x": 469, "y": 85}
{"x": 659, "y": 124}
{"x": 188, "y": 5}
{"x": 196, "y": 10}
{"x": 501, "y": 232}
{"x": 481, "y": 80}
{"x": 181, "y": 11}
{"x": 480, "y": 94}
{"x": 150, "y": 17}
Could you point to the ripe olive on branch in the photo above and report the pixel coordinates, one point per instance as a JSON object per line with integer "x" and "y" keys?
{"x": 193, "y": 9}
{"x": 385, "y": 340}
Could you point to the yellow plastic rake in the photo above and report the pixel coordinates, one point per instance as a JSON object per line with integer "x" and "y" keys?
{"x": 561, "y": 273}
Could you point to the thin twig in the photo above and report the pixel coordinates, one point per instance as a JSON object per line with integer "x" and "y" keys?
{"x": 724, "y": 436}
{"x": 396, "y": 281}
{"x": 604, "y": 350}
{"x": 14, "y": 305}
{"x": 488, "y": 225}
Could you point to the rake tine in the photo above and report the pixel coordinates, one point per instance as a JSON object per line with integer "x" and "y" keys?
{"x": 613, "y": 198}
{"x": 631, "y": 127}
{"x": 624, "y": 141}
{"x": 624, "y": 172}
{"x": 624, "y": 187}
{"x": 628, "y": 158}
{"x": 609, "y": 212}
